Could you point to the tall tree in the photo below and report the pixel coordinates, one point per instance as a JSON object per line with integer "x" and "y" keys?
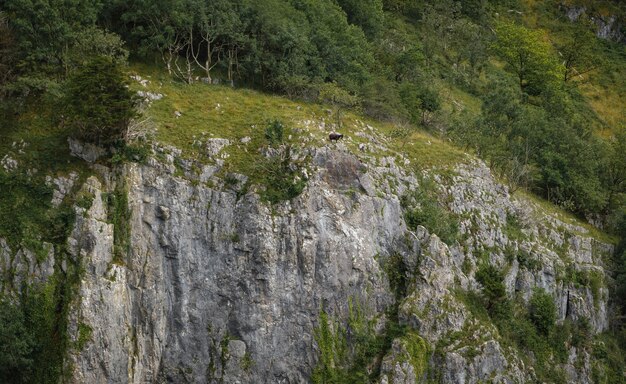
{"x": 7, "y": 52}
{"x": 162, "y": 26}
{"x": 576, "y": 50}
{"x": 528, "y": 55}
{"x": 219, "y": 31}
{"x": 99, "y": 104}
{"x": 45, "y": 30}
{"x": 368, "y": 14}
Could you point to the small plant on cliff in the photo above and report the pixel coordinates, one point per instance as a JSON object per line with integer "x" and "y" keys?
{"x": 542, "y": 311}
{"x": 494, "y": 291}
{"x": 274, "y": 132}
{"x": 282, "y": 175}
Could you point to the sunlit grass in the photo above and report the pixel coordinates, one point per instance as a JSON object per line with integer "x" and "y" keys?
{"x": 215, "y": 111}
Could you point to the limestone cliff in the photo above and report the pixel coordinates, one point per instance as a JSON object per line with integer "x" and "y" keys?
{"x": 207, "y": 283}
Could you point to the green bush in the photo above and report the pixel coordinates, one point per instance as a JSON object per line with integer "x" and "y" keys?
{"x": 119, "y": 215}
{"x": 282, "y": 178}
{"x": 16, "y": 344}
{"x": 98, "y": 103}
{"x": 397, "y": 273}
{"x": 274, "y": 132}
{"x": 542, "y": 311}
{"x": 493, "y": 291}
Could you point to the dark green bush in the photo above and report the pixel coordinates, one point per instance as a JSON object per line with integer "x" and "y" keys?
{"x": 493, "y": 291}
{"x": 274, "y": 132}
{"x": 16, "y": 344}
{"x": 542, "y": 311}
{"x": 98, "y": 103}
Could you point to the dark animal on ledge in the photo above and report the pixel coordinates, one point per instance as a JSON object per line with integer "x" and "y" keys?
{"x": 335, "y": 136}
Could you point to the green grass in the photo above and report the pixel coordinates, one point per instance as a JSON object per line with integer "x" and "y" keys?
{"x": 212, "y": 111}
{"x": 604, "y": 89}
{"x": 39, "y": 145}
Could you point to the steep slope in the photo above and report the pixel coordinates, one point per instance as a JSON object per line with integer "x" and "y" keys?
{"x": 188, "y": 274}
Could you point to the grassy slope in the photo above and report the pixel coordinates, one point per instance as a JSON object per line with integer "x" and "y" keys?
{"x": 40, "y": 147}
{"x": 604, "y": 89}
{"x": 223, "y": 112}
{"x": 244, "y": 113}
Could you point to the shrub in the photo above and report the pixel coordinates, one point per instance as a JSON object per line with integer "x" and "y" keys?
{"x": 282, "y": 178}
{"x": 542, "y": 311}
{"x": 98, "y": 103}
{"x": 494, "y": 291}
{"x": 16, "y": 344}
{"x": 274, "y": 132}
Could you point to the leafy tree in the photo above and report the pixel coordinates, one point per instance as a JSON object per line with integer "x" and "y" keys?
{"x": 409, "y": 8}
{"x": 576, "y": 50}
{"x": 342, "y": 49}
{"x": 280, "y": 51}
{"x": 218, "y": 28}
{"x": 437, "y": 19}
{"x": 399, "y": 49}
{"x": 7, "y": 52}
{"x": 475, "y": 9}
{"x": 429, "y": 103}
{"x": 16, "y": 344}
{"x": 528, "y": 55}
{"x": 162, "y": 26}
{"x": 469, "y": 45}
{"x": 381, "y": 100}
{"x": 368, "y": 14}
{"x": 542, "y": 311}
{"x": 91, "y": 42}
{"x": 44, "y": 31}
{"x": 99, "y": 104}
{"x": 339, "y": 99}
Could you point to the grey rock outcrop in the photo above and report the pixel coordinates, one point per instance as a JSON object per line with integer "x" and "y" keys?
{"x": 219, "y": 287}
{"x": 85, "y": 151}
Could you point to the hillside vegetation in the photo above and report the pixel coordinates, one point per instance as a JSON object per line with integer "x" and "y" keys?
{"x": 537, "y": 96}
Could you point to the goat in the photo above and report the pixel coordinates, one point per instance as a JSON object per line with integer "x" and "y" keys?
{"x": 335, "y": 136}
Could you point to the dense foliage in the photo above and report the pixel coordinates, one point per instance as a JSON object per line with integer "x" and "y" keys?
{"x": 482, "y": 73}
{"x": 98, "y": 103}
{"x": 392, "y": 58}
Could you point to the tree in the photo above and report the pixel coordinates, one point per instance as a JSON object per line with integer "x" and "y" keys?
{"x": 16, "y": 344}
{"x": 217, "y": 27}
{"x": 7, "y": 52}
{"x": 280, "y": 49}
{"x": 339, "y": 99}
{"x": 528, "y": 55}
{"x": 341, "y": 49}
{"x": 576, "y": 51}
{"x": 164, "y": 26}
{"x": 91, "y": 42}
{"x": 99, "y": 104}
{"x": 45, "y": 30}
{"x": 368, "y": 14}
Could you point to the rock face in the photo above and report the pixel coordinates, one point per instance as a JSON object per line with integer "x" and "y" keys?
{"x": 608, "y": 27}
{"x": 219, "y": 287}
{"x": 224, "y": 289}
